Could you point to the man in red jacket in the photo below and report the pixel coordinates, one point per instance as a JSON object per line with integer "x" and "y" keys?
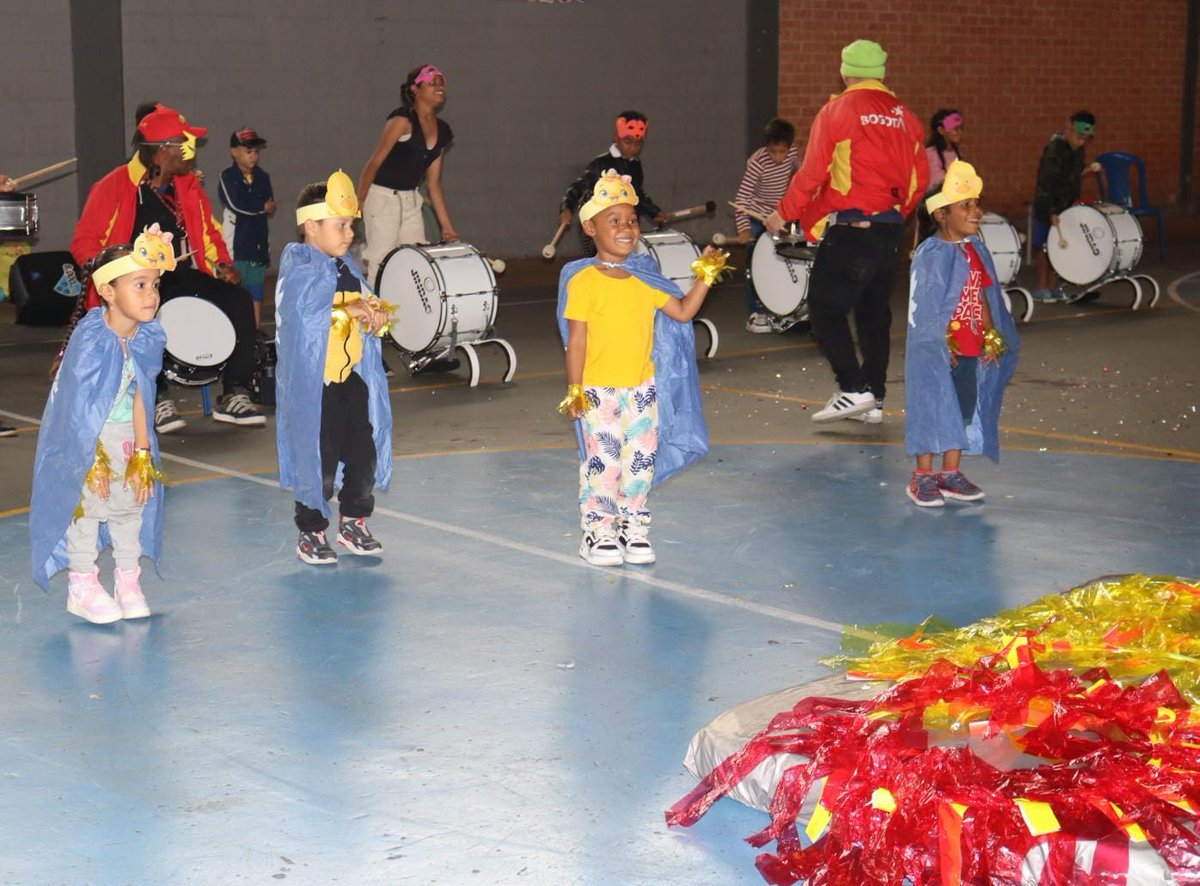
{"x": 158, "y": 185}
{"x": 863, "y": 173}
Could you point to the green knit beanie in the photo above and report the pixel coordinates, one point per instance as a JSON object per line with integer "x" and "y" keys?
{"x": 864, "y": 58}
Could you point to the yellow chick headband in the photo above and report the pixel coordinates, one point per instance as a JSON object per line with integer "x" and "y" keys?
{"x": 961, "y": 183}
{"x": 610, "y": 190}
{"x": 152, "y": 251}
{"x": 340, "y": 201}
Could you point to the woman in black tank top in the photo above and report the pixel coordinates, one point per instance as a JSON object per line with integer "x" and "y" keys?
{"x": 409, "y": 151}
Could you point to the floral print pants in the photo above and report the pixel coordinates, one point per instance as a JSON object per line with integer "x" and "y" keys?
{"x": 620, "y": 439}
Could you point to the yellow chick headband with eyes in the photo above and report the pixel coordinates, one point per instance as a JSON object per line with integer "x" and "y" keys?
{"x": 961, "y": 183}
{"x": 340, "y": 201}
{"x": 610, "y": 190}
{"x": 152, "y": 251}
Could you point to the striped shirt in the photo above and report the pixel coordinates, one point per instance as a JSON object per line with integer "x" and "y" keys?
{"x": 764, "y": 184}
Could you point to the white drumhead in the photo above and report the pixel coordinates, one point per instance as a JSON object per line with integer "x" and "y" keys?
{"x": 1128, "y": 232}
{"x": 1002, "y": 242}
{"x": 1090, "y": 251}
{"x": 439, "y": 292}
{"x": 198, "y": 333}
{"x": 674, "y": 251}
{"x": 781, "y": 283}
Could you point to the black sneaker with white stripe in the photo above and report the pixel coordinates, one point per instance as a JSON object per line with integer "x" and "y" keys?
{"x": 237, "y": 409}
{"x": 167, "y": 419}
{"x": 845, "y": 405}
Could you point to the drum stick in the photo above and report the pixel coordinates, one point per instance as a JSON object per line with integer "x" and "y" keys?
{"x": 1062, "y": 241}
{"x": 750, "y": 212}
{"x": 549, "y": 248}
{"x": 719, "y": 239}
{"x": 30, "y": 176}
{"x": 703, "y": 209}
{"x": 498, "y": 265}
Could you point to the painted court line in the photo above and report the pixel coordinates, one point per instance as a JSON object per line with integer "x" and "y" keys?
{"x": 685, "y": 590}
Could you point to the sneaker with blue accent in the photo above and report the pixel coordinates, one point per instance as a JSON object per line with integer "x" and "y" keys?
{"x": 923, "y": 490}
{"x": 955, "y": 485}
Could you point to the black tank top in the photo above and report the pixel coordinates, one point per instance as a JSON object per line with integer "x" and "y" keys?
{"x": 404, "y": 166}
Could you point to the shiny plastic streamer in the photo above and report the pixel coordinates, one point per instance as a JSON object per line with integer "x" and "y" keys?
{"x": 99, "y": 475}
{"x": 575, "y": 397}
{"x": 709, "y": 268}
{"x": 1132, "y": 625}
{"x": 906, "y": 798}
{"x": 141, "y": 472}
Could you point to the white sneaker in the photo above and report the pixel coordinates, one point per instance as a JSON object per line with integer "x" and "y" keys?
{"x": 166, "y": 417}
{"x": 845, "y": 405}
{"x": 600, "y": 549}
{"x": 635, "y": 545}
{"x": 871, "y": 417}
{"x": 127, "y": 588}
{"x": 758, "y": 323}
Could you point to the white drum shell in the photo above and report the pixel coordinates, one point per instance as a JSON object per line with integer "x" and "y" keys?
{"x": 1001, "y": 240}
{"x": 198, "y": 332}
{"x": 1102, "y": 240}
{"x": 443, "y": 295}
{"x": 674, "y": 251}
{"x": 781, "y": 283}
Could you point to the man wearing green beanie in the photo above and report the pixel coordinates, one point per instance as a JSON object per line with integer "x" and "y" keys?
{"x": 863, "y": 173}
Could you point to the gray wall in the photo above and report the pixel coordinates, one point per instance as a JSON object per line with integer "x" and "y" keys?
{"x": 533, "y": 88}
{"x": 37, "y": 108}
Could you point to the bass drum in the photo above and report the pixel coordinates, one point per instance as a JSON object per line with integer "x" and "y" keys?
{"x": 674, "y": 251}
{"x": 443, "y": 295}
{"x": 1094, "y": 242}
{"x": 200, "y": 339}
{"x": 1003, "y": 242}
{"x": 781, "y": 283}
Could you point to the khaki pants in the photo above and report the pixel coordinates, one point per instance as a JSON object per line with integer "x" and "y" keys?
{"x": 391, "y": 219}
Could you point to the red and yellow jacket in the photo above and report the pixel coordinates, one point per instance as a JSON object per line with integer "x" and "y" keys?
{"x": 111, "y": 207}
{"x": 866, "y": 151}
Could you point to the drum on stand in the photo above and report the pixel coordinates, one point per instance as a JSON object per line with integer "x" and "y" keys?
{"x": 675, "y": 251}
{"x": 1096, "y": 244}
{"x": 781, "y": 282}
{"x": 18, "y": 215}
{"x": 445, "y": 298}
{"x": 200, "y": 339}
{"x": 1004, "y": 244}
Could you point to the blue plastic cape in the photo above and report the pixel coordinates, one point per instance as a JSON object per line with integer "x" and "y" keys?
{"x": 933, "y": 421}
{"x": 682, "y": 432}
{"x": 81, "y": 398}
{"x": 303, "y": 314}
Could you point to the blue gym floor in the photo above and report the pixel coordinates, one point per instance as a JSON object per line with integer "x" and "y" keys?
{"x": 480, "y": 706}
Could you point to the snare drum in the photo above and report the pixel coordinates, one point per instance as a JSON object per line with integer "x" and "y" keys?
{"x": 1103, "y": 240}
{"x": 200, "y": 339}
{"x": 1003, "y": 242}
{"x": 674, "y": 251}
{"x": 443, "y": 295}
{"x": 781, "y": 283}
{"x": 18, "y": 215}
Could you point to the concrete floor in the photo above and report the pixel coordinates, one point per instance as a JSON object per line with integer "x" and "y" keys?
{"x": 478, "y": 706}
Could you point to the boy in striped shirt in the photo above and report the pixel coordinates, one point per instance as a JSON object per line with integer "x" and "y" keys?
{"x": 765, "y": 181}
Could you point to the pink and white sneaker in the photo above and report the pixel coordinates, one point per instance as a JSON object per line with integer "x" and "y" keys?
{"x": 128, "y": 587}
{"x": 87, "y": 598}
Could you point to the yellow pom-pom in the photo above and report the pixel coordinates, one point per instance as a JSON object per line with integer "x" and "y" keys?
{"x": 709, "y": 268}
{"x": 574, "y": 398}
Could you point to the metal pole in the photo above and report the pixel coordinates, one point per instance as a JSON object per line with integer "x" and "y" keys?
{"x": 1187, "y": 141}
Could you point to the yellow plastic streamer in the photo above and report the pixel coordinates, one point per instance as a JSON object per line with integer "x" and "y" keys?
{"x": 994, "y": 344}
{"x": 141, "y": 472}
{"x": 98, "y": 477}
{"x": 1131, "y": 625}
{"x": 341, "y": 323}
{"x": 709, "y": 268}
{"x": 574, "y": 398}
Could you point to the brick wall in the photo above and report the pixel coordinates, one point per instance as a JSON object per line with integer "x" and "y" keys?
{"x": 1016, "y": 70}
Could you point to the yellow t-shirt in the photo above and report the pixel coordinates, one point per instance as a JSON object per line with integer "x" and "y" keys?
{"x": 345, "y": 348}
{"x": 620, "y": 326}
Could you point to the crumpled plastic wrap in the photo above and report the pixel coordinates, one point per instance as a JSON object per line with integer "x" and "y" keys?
{"x": 1132, "y": 625}
{"x": 903, "y": 795}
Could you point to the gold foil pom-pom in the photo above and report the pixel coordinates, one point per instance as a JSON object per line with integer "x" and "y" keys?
{"x": 709, "y": 268}
{"x": 574, "y": 398}
{"x": 141, "y": 472}
{"x": 994, "y": 344}
{"x": 98, "y": 476}
{"x": 391, "y": 312}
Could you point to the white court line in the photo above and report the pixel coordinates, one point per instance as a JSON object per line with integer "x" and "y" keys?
{"x": 675, "y": 587}
{"x": 1173, "y": 291}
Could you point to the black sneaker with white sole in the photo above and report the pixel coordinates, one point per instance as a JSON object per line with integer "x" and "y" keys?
{"x": 167, "y": 419}
{"x": 313, "y": 548}
{"x": 355, "y": 537}
{"x": 237, "y": 409}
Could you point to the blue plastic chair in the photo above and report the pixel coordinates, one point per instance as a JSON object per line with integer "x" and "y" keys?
{"x": 1117, "y": 188}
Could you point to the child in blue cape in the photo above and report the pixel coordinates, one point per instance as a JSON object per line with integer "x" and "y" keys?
{"x": 962, "y": 345}
{"x": 632, "y": 383}
{"x": 95, "y": 474}
{"x": 333, "y": 418}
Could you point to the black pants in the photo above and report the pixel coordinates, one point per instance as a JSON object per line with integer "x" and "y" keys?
{"x": 853, "y": 272}
{"x": 346, "y": 437}
{"x": 235, "y": 303}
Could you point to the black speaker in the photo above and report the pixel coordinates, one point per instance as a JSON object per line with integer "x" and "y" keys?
{"x": 43, "y": 287}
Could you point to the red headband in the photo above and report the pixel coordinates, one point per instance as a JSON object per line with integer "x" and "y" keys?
{"x": 631, "y": 128}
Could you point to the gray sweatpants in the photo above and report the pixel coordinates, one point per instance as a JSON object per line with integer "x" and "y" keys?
{"x": 120, "y": 511}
